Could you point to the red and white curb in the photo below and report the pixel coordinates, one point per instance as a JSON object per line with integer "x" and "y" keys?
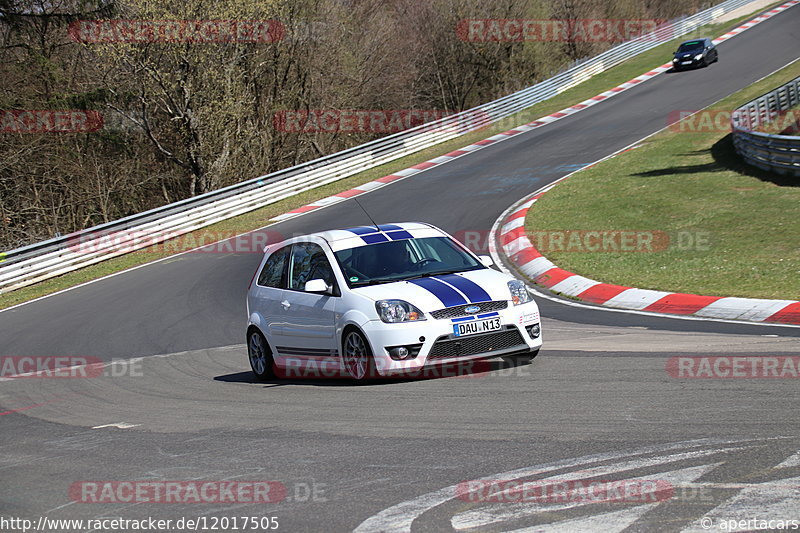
{"x": 520, "y": 252}
{"x": 416, "y": 169}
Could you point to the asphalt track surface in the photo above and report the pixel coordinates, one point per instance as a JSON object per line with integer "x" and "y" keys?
{"x": 599, "y": 395}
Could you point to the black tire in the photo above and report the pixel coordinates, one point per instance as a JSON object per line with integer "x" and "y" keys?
{"x": 260, "y": 355}
{"x": 357, "y": 358}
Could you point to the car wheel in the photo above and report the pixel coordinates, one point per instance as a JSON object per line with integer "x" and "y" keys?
{"x": 260, "y": 355}
{"x": 703, "y": 63}
{"x": 358, "y": 361}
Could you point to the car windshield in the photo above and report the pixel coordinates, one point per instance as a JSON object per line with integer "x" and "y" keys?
{"x": 691, "y": 45}
{"x": 403, "y": 259}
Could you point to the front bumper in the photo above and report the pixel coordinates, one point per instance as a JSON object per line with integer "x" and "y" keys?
{"x": 436, "y": 343}
{"x": 687, "y": 63}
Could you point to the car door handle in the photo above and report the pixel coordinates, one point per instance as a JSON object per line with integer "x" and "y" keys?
{"x": 286, "y": 304}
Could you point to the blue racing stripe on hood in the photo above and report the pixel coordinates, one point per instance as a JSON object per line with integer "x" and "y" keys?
{"x": 446, "y": 294}
{"x": 472, "y": 290}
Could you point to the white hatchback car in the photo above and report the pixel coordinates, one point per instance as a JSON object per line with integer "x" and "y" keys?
{"x": 381, "y": 300}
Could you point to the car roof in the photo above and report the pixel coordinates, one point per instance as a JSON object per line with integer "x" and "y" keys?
{"x": 697, "y": 40}
{"x": 342, "y": 239}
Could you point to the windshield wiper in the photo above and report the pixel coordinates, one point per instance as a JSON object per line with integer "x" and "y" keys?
{"x": 374, "y": 282}
{"x": 439, "y": 273}
{"x": 380, "y": 281}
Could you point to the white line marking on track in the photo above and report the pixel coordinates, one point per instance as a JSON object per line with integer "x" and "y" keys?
{"x": 791, "y": 461}
{"x": 118, "y": 425}
{"x": 771, "y": 501}
{"x": 500, "y": 512}
{"x": 611, "y": 522}
{"x": 400, "y": 517}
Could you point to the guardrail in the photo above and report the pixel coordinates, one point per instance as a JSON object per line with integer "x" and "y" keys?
{"x": 37, "y": 262}
{"x": 771, "y": 152}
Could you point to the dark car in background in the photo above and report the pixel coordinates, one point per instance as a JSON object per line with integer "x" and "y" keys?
{"x": 695, "y": 53}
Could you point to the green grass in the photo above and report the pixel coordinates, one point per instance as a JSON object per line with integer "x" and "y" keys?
{"x": 691, "y": 182}
{"x": 261, "y": 217}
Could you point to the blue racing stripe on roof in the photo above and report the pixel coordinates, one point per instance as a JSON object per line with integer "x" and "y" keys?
{"x": 399, "y": 235}
{"x": 363, "y": 230}
{"x": 472, "y": 290}
{"x": 388, "y": 227}
{"x": 446, "y": 294}
{"x": 374, "y": 238}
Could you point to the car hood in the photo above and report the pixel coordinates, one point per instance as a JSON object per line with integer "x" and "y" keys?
{"x": 439, "y": 292}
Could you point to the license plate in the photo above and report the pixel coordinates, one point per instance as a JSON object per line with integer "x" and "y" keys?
{"x": 686, "y": 62}
{"x": 462, "y": 329}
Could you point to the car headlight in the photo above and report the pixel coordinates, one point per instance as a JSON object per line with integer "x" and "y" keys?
{"x": 393, "y": 311}
{"x": 519, "y": 292}
{"x": 698, "y": 57}
{"x": 674, "y": 59}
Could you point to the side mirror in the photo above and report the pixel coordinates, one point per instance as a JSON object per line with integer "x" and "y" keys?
{"x": 486, "y": 260}
{"x": 318, "y": 286}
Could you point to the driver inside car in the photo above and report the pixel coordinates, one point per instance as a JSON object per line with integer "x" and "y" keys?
{"x": 392, "y": 259}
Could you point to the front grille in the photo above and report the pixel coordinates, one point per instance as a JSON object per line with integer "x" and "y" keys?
{"x": 446, "y": 347}
{"x": 458, "y": 311}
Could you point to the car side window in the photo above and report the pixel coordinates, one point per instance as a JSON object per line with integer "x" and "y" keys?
{"x": 274, "y": 272}
{"x": 308, "y": 262}
{"x": 322, "y": 270}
